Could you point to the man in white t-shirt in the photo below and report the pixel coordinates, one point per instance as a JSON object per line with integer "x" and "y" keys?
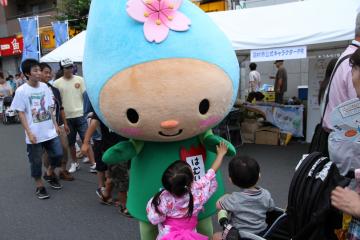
{"x": 35, "y": 105}
{"x": 254, "y": 78}
{"x": 72, "y": 88}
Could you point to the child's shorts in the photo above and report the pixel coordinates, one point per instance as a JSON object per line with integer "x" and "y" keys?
{"x": 119, "y": 175}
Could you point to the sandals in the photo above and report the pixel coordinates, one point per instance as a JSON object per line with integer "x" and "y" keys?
{"x": 103, "y": 199}
{"x": 123, "y": 211}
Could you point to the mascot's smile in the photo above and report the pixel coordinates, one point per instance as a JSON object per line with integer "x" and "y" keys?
{"x": 171, "y": 135}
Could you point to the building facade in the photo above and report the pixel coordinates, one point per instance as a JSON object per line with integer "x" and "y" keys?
{"x": 10, "y": 29}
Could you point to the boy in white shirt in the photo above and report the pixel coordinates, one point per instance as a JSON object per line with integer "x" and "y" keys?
{"x": 34, "y": 103}
{"x": 254, "y": 78}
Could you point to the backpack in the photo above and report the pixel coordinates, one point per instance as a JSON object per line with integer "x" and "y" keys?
{"x": 309, "y": 211}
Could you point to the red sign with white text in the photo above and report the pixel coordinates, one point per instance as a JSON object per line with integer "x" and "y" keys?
{"x": 11, "y": 46}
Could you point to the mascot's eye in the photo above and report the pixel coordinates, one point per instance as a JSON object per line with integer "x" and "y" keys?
{"x": 204, "y": 106}
{"x": 132, "y": 115}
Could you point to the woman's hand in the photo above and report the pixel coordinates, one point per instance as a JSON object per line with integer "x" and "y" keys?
{"x": 346, "y": 200}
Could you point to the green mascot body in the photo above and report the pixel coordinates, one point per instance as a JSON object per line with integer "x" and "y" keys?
{"x": 164, "y": 85}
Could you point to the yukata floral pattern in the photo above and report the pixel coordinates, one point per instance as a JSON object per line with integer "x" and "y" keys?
{"x": 173, "y": 207}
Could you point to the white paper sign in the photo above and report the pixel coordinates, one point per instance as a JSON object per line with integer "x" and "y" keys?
{"x": 197, "y": 165}
{"x": 263, "y": 55}
{"x": 345, "y": 119}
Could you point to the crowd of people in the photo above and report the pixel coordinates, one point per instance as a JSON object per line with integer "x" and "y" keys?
{"x": 57, "y": 116}
{"x": 9, "y": 84}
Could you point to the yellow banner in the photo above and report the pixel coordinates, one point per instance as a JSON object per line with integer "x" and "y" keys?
{"x": 212, "y": 6}
{"x": 47, "y": 38}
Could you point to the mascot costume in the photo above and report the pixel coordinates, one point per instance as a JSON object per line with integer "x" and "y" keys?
{"x": 162, "y": 74}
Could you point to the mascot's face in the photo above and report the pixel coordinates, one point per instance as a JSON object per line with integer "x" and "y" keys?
{"x": 166, "y": 100}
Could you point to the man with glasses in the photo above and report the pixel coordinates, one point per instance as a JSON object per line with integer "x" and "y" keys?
{"x": 71, "y": 88}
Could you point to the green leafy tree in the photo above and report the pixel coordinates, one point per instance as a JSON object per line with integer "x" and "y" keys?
{"x": 76, "y": 11}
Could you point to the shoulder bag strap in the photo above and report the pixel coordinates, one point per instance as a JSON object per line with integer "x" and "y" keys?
{"x": 329, "y": 85}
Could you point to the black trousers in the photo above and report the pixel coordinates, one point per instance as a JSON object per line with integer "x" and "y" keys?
{"x": 279, "y": 98}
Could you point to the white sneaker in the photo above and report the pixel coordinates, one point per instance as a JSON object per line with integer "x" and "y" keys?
{"x": 74, "y": 167}
{"x": 85, "y": 160}
{"x": 93, "y": 168}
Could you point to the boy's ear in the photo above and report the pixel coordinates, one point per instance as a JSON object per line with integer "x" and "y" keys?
{"x": 259, "y": 176}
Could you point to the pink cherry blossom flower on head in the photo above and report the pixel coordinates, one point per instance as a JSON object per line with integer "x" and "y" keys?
{"x": 158, "y": 17}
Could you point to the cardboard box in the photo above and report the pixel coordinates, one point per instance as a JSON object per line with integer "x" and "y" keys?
{"x": 267, "y": 136}
{"x": 248, "y": 129}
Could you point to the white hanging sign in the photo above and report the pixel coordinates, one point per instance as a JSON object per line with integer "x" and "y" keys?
{"x": 263, "y": 55}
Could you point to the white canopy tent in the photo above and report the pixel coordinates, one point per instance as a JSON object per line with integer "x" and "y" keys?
{"x": 291, "y": 24}
{"x": 73, "y": 49}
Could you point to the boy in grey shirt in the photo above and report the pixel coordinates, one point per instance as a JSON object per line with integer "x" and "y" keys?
{"x": 249, "y": 206}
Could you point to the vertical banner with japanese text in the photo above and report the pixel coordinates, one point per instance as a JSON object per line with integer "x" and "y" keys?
{"x": 61, "y": 30}
{"x": 30, "y": 30}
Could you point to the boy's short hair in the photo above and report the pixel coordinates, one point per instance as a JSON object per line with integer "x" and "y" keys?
{"x": 244, "y": 171}
{"x": 27, "y": 65}
{"x": 252, "y": 66}
{"x": 45, "y": 65}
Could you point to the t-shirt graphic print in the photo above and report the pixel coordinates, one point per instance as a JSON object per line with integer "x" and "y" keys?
{"x": 39, "y": 111}
{"x": 36, "y": 103}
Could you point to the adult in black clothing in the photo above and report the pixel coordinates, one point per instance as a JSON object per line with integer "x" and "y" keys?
{"x": 280, "y": 81}
{"x": 117, "y": 176}
{"x": 61, "y": 121}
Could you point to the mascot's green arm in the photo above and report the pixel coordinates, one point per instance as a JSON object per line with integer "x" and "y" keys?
{"x": 123, "y": 151}
{"x": 211, "y": 141}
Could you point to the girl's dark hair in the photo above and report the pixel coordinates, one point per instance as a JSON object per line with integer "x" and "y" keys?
{"x": 177, "y": 180}
{"x": 323, "y": 85}
{"x": 244, "y": 171}
{"x": 355, "y": 59}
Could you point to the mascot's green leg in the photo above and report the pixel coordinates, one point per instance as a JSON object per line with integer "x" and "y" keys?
{"x": 148, "y": 231}
{"x": 205, "y": 227}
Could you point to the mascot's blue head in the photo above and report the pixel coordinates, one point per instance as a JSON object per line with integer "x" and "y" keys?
{"x": 158, "y": 70}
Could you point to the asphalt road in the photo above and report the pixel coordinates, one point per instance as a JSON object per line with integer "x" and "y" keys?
{"x": 75, "y": 213}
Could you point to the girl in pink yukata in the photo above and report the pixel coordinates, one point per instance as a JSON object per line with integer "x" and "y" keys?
{"x": 176, "y": 207}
